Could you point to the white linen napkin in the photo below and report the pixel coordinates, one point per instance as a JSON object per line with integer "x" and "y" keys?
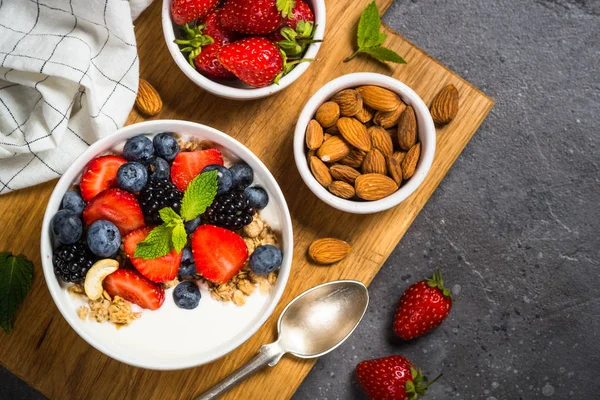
{"x": 68, "y": 76}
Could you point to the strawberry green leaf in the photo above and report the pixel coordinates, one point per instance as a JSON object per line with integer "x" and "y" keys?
{"x": 179, "y": 236}
{"x": 286, "y": 7}
{"x": 199, "y": 195}
{"x": 16, "y": 275}
{"x": 383, "y": 54}
{"x": 158, "y": 243}
{"x": 368, "y": 27}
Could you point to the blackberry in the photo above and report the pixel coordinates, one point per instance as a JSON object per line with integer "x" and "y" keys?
{"x": 157, "y": 195}
{"x": 72, "y": 262}
{"x": 231, "y": 210}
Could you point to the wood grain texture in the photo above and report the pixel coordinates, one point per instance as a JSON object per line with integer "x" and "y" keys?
{"x": 48, "y": 354}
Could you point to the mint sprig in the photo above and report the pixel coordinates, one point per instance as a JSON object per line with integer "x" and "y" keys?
{"x": 16, "y": 275}
{"x": 370, "y": 39}
{"x": 171, "y": 234}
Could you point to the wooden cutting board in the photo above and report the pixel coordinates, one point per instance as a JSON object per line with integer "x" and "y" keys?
{"x": 45, "y": 352}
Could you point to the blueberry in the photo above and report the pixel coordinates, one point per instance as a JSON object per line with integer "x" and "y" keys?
{"x": 103, "y": 238}
{"x": 257, "y": 197}
{"x": 265, "y": 259}
{"x": 138, "y": 148}
{"x": 191, "y": 226}
{"x": 187, "y": 268}
{"x": 166, "y": 146}
{"x": 132, "y": 176}
{"x": 72, "y": 201}
{"x": 242, "y": 174}
{"x": 158, "y": 169}
{"x": 187, "y": 295}
{"x": 67, "y": 227}
{"x": 224, "y": 177}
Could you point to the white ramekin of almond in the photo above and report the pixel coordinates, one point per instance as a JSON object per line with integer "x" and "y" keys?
{"x": 364, "y": 142}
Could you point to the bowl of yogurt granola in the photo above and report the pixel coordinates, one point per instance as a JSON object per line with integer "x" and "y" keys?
{"x": 167, "y": 244}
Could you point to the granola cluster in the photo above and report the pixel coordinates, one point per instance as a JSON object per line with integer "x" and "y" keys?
{"x": 115, "y": 310}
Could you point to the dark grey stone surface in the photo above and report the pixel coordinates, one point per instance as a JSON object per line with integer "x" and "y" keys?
{"x": 514, "y": 226}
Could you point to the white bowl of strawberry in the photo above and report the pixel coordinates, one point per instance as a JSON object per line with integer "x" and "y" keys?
{"x": 172, "y": 231}
{"x": 243, "y": 49}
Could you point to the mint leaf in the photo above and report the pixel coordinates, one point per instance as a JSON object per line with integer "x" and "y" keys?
{"x": 169, "y": 216}
{"x": 157, "y": 244}
{"x": 368, "y": 27}
{"x": 16, "y": 275}
{"x": 369, "y": 39}
{"x": 199, "y": 195}
{"x": 179, "y": 236}
{"x": 285, "y": 7}
{"x": 384, "y": 54}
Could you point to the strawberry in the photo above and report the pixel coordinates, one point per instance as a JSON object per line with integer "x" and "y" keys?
{"x": 255, "y": 60}
{"x": 422, "y": 307}
{"x": 133, "y": 287}
{"x": 188, "y": 164}
{"x": 219, "y": 253}
{"x": 300, "y": 12}
{"x": 161, "y": 269}
{"x": 184, "y": 11}
{"x": 214, "y": 29}
{"x": 253, "y": 17}
{"x": 117, "y": 206}
{"x": 100, "y": 174}
{"x": 392, "y": 378}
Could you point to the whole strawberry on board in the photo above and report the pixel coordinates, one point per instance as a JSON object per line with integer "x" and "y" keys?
{"x": 422, "y": 307}
{"x": 392, "y": 378}
{"x": 185, "y": 11}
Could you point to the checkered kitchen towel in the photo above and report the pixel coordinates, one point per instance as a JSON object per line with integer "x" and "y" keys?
{"x": 68, "y": 76}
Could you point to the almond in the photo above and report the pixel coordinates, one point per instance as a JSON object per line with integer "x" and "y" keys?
{"x": 314, "y": 135}
{"x": 349, "y": 101}
{"x": 379, "y": 98}
{"x": 328, "y": 250}
{"x": 381, "y": 140}
{"x": 409, "y": 163}
{"x": 320, "y": 171}
{"x": 328, "y": 114}
{"x": 309, "y": 154}
{"x": 326, "y": 136}
{"x": 345, "y": 173}
{"x": 407, "y": 129}
{"x": 374, "y": 186}
{"x": 374, "y": 163}
{"x": 387, "y": 119}
{"x": 333, "y": 149}
{"x": 333, "y": 130}
{"x": 148, "y": 100}
{"x": 445, "y": 105}
{"x": 355, "y": 133}
{"x": 365, "y": 115}
{"x": 342, "y": 189}
{"x": 394, "y": 165}
{"x": 354, "y": 159}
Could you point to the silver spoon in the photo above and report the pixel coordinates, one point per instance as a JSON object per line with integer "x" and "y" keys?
{"x": 313, "y": 324}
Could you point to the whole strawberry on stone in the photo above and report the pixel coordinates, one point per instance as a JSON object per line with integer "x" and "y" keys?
{"x": 422, "y": 307}
{"x": 392, "y": 378}
{"x": 185, "y": 11}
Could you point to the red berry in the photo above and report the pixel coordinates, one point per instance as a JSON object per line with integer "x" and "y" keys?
{"x": 161, "y": 269}
{"x": 117, "y": 206}
{"x": 391, "y": 378}
{"x": 219, "y": 253}
{"x": 100, "y": 174}
{"x": 207, "y": 63}
{"x": 300, "y": 12}
{"x": 422, "y": 307}
{"x": 184, "y": 11}
{"x": 253, "y": 17}
{"x": 188, "y": 164}
{"x": 255, "y": 60}
{"x": 215, "y": 30}
{"x": 133, "y": 287}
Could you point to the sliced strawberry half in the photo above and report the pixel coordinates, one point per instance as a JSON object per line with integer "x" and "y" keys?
{"x": 117, "y": 206}
{"x": 187, "y": 165}
{"x": 100, "y": 174}
{"x": 219, "y": 253}
{"x": 133, "y": 287}
{"x": 161, "y": 269}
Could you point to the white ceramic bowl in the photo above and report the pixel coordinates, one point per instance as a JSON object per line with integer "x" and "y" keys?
{"x": 427, "y": 137}
{"x": 172, "y": 338}
{"x": 236, "y": 89}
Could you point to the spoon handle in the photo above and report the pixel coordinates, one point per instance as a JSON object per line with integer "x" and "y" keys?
{"x": 268, "y": 354}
